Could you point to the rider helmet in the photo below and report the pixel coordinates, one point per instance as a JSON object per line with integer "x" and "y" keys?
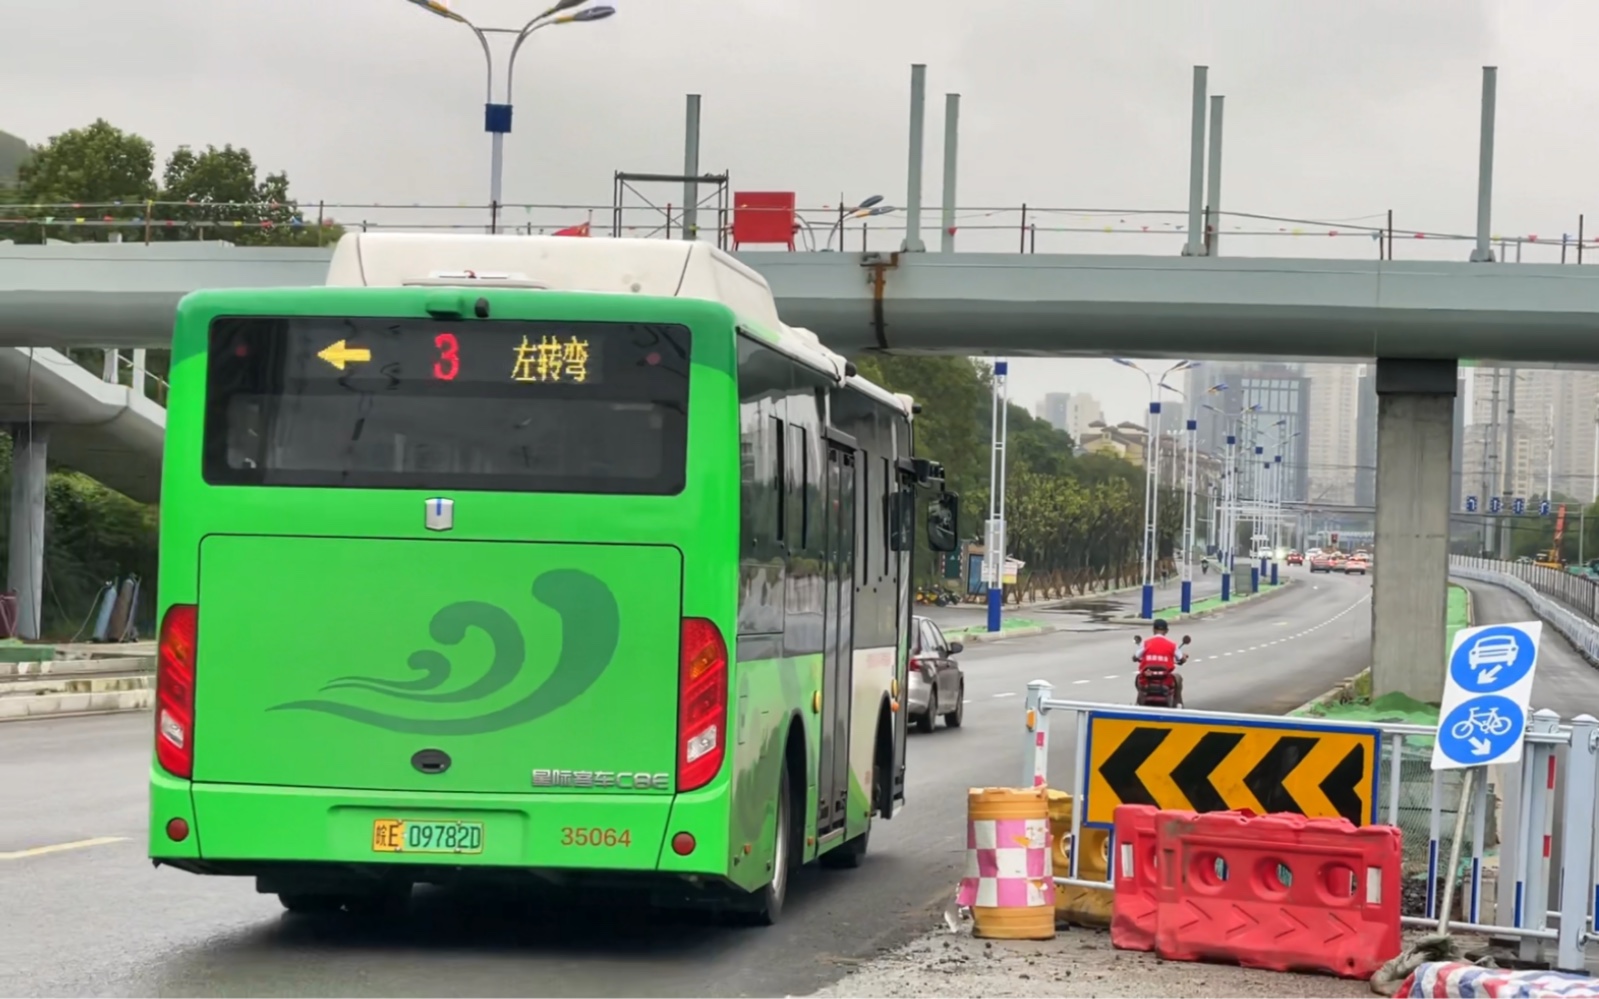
{"x": 1160, "y": 626}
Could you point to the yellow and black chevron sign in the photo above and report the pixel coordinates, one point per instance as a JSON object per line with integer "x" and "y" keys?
{"x": 1319, "y": 771}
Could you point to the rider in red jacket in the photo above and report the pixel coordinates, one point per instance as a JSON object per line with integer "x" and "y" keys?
{"x": 1160, "y": 653}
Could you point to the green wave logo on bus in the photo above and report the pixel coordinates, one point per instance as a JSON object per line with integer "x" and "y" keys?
{"x": 590, "y": 626}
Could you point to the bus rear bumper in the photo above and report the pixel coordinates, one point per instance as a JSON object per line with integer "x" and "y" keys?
{"x": 253, "y": 830}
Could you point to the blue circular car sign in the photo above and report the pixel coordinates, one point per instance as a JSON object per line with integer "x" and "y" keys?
{"x": 1492, "y": 660}
{"x": 1482, "y": 729}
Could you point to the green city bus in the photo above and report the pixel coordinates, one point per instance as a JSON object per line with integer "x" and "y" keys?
{"x": 585, "y": 570}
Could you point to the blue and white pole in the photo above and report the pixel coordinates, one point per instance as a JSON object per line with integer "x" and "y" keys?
{"x": 994, "y": 551}
{"x": 1190, "y": 454}
{"x": 1277, "y": 513}
{"x": 1229, "y": 530}
{"x": 1151, "y": 509}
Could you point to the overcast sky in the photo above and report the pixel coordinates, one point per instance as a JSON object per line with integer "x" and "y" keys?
{"x": 1337, "y": 110}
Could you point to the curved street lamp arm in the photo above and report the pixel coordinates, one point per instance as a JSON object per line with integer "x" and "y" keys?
{"x": 522, "y": 36}
{"x": 488, "y": 55}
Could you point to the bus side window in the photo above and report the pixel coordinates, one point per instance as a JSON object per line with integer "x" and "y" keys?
{"x": 864, "y": 504}
{"x": 780, "y": 479}
{"x": 797, "y": 500}
{"x": 887, "y": 497}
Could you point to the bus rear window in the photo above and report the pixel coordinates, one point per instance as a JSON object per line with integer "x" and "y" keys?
{"x": 564, "y": 407}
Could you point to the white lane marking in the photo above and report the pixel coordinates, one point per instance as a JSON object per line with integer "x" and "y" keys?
{"x": 1007, "y": 693}
{"x": 81, "y": 844}
{"x": 1076, "y": 682}
{"x": 967, "y": 701}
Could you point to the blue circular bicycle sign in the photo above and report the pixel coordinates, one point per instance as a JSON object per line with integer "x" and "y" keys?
{"x": 1482, "y": 729}
{"x": 1492, "y": 660}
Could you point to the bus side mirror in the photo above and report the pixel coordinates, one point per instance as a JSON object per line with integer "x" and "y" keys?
{"x": 943, "y": 523}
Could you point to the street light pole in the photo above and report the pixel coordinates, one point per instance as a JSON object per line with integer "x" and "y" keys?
{"x": 1151, "y": 552}
{"x": 497, "y": 113}
{"x": 994, "y": 552}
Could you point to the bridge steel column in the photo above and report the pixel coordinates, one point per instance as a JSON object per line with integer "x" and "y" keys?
{"x": 1415, "y": 424}
{"x": 25, "y": 556}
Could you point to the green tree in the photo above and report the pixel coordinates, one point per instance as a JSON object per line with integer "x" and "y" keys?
{"x": 98, "y": 174}
{"x": 216, "y": 194}
{"x": 1076, "y": 520}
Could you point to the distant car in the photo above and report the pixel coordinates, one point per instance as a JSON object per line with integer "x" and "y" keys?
{"x": 1294, "y": 558}
{"x": 937, "y": 685}
{"x": 1321, "y": 562}
{"x": 1493, "y": 650}
{"x": 1356, "y": 564}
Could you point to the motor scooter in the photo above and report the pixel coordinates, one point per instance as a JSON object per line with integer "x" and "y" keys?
{"x": 1157, "y": 688}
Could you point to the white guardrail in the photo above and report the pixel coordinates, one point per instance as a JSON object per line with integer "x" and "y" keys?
{"x": 1551, "y": 593}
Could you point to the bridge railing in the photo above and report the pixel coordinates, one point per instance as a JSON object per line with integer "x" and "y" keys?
{"x": 1569, "y": 603}
{"x": 1013, "y": 228}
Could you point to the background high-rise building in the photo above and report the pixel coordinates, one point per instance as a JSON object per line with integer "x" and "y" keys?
{"x": 1081, "y": 413}
{"x": 1332, "y": 429}
{"x": 1553, "y": 428}
{"x": 1052, "y": 409}
{"x": 1073, "y": 412}
{"x": 1366, "y": 436}
{"x": 1281, "y": 391}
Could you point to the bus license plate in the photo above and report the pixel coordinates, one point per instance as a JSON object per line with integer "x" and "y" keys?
{"x": 415, "y": 836}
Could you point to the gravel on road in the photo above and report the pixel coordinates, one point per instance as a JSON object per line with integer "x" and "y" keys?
{"x": 1076, "y": 963}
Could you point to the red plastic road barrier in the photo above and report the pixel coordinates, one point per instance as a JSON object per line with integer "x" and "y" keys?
{"x": 1133, "y": 881}
{"x": 1280, "y": 892}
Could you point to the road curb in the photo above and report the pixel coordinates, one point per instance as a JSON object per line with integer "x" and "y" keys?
{"x": 57, "y": 688}
{"x": 1329, "y": 693}
{"x": 25, "y": 707}
{"x": 1230, "y": 605}
{"x": 994, "y": 636}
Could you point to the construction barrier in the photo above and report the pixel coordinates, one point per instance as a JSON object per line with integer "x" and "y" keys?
{"x": 1369, "y": 773}
{"x": 1279, "y": 892}
{"x": 1009, "y": 883}
{"x": 1134, "y": 884}
{"x": 1075, "y": 905}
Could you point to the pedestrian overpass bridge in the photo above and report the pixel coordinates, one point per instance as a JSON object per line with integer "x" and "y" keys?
{"x": 1088, "y": 305}
{"x": 1415, "y": 318}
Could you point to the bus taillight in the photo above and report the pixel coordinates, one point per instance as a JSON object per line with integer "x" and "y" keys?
{"x": 702, "y": 704}
{"x": 174, "y": 690}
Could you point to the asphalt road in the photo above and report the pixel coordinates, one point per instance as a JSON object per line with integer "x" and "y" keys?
{"x": 100, "y": 921}
{"x": 1565, "y": 682}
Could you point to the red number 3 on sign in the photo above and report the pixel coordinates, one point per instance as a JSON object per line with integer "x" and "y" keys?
{"x": 449, "y": 363}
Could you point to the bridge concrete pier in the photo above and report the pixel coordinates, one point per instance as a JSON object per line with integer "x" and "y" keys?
{"x": 1409, "y": 606}
{"x": 25, "y": 554}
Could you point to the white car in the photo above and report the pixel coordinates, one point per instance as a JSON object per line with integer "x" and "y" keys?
{"x": 1494, "y": 649}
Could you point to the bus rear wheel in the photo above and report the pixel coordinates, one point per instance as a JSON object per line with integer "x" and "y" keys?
{"x": 765, "y": 907}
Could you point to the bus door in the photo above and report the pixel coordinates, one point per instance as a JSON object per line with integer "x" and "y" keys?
{"x": 832, "y": 777}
